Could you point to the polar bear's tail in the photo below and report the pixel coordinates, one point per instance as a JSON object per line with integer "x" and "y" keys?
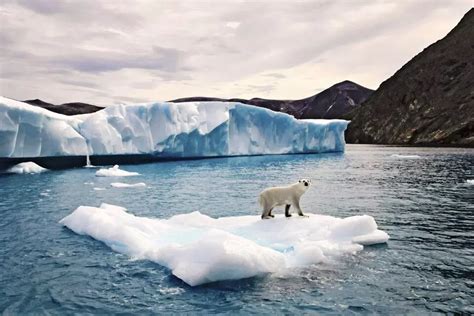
{"x": 260, "y": 200}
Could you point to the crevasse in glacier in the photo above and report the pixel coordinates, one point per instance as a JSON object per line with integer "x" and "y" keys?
{"x": 173, "y": 130}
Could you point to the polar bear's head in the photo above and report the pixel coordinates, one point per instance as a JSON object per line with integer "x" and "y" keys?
{"x": 305, "y": 182}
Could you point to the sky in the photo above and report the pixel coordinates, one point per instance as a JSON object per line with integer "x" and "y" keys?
{"x": 122, "y": 51}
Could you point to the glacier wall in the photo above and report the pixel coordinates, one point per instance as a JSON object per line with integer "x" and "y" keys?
{"x": 172, "y": 130}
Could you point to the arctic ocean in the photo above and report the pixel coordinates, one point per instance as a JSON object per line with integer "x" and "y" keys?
{"x": 421, "y": 197}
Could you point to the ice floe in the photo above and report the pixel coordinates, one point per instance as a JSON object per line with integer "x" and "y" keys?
{"x": 26, "y": 167}
{"x": 199, "y": 249}
{"x": 115, "y": 171}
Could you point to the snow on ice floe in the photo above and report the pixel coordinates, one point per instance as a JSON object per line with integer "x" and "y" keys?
{"x": 199, "y": 249}
{"x": 128, "y": 185}
{"x": 470, "y": 181}
{"x": 405, "y": 156}
{"x": 26, "y": 167}
{"x": 163, "y": 129}
{"x": 115, "y": 171}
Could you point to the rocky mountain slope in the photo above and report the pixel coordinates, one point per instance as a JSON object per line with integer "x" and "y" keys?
{"x": 429, "y": 101}
{"x": 72, "y": 108}
{"x": 331, "y": 103}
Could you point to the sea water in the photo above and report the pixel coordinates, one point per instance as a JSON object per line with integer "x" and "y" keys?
{"x": 422, "y": 197}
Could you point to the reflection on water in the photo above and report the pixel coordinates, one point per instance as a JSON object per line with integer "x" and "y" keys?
{"x": 425, "y": 203}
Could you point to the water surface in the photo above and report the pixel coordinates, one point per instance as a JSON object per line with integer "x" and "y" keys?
{"x": 420, "y": 196}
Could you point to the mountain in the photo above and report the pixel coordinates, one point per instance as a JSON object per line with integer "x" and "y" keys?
{"x": 331, "y": 103}
{"x": 429, "y": 101}
{"x": 72, "y": 108}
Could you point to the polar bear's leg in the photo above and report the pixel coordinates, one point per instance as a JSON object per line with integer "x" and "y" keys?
{"x": 298, "y": 208}
{"x": 287, "y": 210}
{"x": 266, "y": 211}
{"x": 266, "y": 214}
{"x": 270, "y": 213}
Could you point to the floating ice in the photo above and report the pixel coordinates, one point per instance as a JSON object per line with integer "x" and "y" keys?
{"x": 128, "y": 185}
{"x": 199, "y": 249}
{"x": 168, "y": 130}
{"x": 405, "y": 156}
{"x": 115, "y": 172}
{"x": 99, "y": 189}
{"x": 26, "y": 167}
{"x": 470, "y": 181}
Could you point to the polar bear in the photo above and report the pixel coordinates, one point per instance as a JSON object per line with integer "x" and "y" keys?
{"x": 289, "y": 195}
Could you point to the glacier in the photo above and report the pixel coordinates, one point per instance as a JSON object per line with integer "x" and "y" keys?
{"x": 200, "y": 249}
{"x": 163, "y": 130}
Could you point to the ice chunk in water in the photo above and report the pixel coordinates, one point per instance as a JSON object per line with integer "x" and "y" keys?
{"x": 199, "y": 249}
{"x": 26, "y": 167}
{"x": 115, "y": 171}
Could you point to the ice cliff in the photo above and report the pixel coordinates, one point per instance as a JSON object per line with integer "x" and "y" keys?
{"x": 172, "y": 130}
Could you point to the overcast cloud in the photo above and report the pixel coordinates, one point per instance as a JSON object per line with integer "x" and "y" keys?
{"x": 106, "y": 52}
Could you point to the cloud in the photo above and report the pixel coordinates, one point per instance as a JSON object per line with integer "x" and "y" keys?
{"x": 275, "y": 75}
{"x": 159, "y": 59}
{"x": 232, "y": 24}
{"x": 78, "y": 83}
{"x": 44, "y": 6}
{"x": 263, "y": 88}
{"x": 97, "y": 51}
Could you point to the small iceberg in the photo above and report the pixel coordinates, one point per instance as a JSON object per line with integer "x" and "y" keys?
{"x": 128, "y": 185}
{"x": 26, "y": 168}
{"x": 405, "y": 156}
{"x": 115, "y": 172}
{"x": 470, "y": 181}
{"x": 200, "y": 249}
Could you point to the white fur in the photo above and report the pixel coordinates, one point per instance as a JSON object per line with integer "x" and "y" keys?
{"x": 287, "y": 195}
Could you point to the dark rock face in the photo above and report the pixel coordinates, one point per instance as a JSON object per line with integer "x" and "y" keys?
{"x": 334, "y": 102}
{"x": 429, "y": 101}
{"x": 66, "y": 108}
